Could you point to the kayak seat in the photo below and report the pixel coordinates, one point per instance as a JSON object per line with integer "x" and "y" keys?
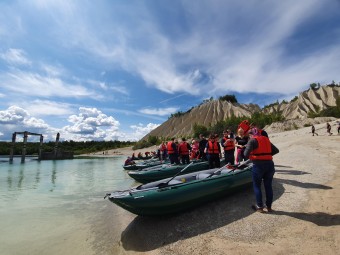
{"x": 173, "y": 182}
{"x": 202, "y": 176}
{"x": 225, "y": 171}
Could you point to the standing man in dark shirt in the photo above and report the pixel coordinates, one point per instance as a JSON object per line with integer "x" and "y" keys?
{"x": 202, "y": 144}
{"x": 260, "y": 151}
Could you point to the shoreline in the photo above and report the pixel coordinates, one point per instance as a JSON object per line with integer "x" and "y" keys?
{"x": 306, "y": 194}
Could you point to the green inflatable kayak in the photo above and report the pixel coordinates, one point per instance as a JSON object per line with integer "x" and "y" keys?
{"x": 163, "y": 171}
{"x": 182, "y": 192}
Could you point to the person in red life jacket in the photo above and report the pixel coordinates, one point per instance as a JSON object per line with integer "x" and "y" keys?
{"x": 162, "y": 151}
{"x": 260, "y": 151}
{"x": 129, "y": 161}
{"x": 241, "y": 141}
{"x": 173, "y": 151}
{"x": 184, "y": 149}
{"x": 213, "y": 151}
{"x": 228, "y": 144}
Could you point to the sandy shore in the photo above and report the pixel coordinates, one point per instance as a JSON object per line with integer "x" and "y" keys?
{"x": 306, "y": 202}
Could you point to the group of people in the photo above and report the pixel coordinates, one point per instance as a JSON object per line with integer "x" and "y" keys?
{"x": 249, "y": 143}
{"x": 328, "y": 129}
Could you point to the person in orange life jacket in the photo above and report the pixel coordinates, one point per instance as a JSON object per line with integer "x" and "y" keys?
{"x": 173, "y": 151}
{"x": 260, "y": 151}
{"x": 213, "y": 151}
{"x": 228, "y": 144}
{"x": 162, "y": 151}
{"x": 241, "y": 141}
{"x": 184, "y": 150}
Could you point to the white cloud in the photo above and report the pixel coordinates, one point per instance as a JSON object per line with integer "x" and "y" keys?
{"x": 13, "y": 115}
{"x": 47, "y": 108}
{"x": 159, "y": 111}
{"x": 90, "y": 121}
{"x": 17, "y": 119}
{"x": 140, "y": 130}
{"x": 16, "y": 57}
{"x": 33, "y": 84}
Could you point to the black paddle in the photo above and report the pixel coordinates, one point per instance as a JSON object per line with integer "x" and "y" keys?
{"x": 163, "y": 184}
{"x": 236, "y": 167}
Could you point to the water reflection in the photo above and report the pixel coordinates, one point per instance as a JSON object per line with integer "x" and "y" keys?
{"x": 54, "y": 175}
{"x": 21, "y": 176}
{"x": 37, "y": 176}
{"x": 9, "y": 178}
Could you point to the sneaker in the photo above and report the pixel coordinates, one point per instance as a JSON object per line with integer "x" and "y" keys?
{"x": 269, "y": 209}
{"x": 257, "y": 209}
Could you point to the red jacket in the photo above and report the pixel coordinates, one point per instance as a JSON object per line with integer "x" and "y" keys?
{"x": 263, "y": 151}
{"x": 170, "y": 148}
{"x": 213, "y": 148}
{"x": 230, "y": 144}
{"x": 183, "y": 148}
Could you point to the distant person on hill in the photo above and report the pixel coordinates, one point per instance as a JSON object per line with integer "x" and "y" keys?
{"x": 313, "y": 130}
{"x": 260, "y": 151}
{"x": 213, "y": 151}
{"x": 228, "y": 144}
{"x": 329, "y": 128}
{"x": 184, "y": 150}
{"x": 202, "y": 144}
{"x": 241, "y": 142}
{"x": 173, "y": 151}
{"x": 338, "y": 127}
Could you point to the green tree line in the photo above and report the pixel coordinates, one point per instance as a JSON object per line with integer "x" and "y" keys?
{"x": 258, "y": 118}
{"x": 32, "y": 148}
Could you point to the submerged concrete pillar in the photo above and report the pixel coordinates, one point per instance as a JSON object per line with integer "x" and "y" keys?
{"x": 40, "y": 146}
{"x": 24, "y": 147}
{"x": 12, "y": 147}
{"x": 56, "y": 146}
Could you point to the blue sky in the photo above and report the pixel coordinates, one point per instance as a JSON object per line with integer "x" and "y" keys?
{"x": 106, "y": 70}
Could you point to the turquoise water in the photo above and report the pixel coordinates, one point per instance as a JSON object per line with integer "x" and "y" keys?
{"x": 57, "y": 207}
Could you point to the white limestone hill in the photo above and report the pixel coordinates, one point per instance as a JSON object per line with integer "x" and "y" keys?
{"x": 209, "y": 113}
{"x": 308, "y": 101}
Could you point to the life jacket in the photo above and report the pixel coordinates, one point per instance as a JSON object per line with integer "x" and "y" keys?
{"x": 170, "y": 148}
{"x": 162, "y": 147}
{"x": 263, "y": 151}
{"x": 230, "y": 144}
{"x": 183, "y": 148}
{"x": 244, "y": 125}
{"x": 213, "y": 148}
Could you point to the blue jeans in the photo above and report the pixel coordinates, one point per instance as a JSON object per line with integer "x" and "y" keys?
{"x": 263, "y": 170}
